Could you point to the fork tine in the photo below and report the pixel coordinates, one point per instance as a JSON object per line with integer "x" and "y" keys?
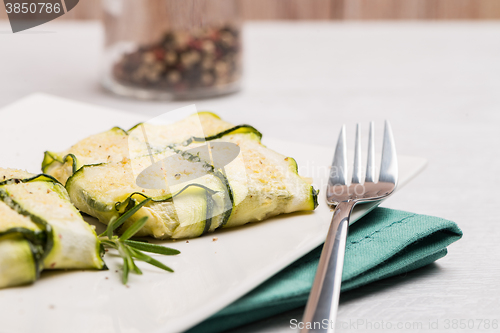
{"x": 356, "y": 174}
{"x": 389, "y": 164}
{"x": 370, "y": 163}
{"x": 339, "y": 164}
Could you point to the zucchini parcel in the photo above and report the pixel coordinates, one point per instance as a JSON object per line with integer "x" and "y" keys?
{"x": 41, "y": 229}
{"x": 116, "y": 144}
{"x": 196, "y": 184}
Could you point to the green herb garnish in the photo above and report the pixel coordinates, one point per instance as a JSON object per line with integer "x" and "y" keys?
{"x": 129, "y": 249}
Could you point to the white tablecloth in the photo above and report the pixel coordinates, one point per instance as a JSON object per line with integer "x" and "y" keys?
{"x": 438, "y": 83}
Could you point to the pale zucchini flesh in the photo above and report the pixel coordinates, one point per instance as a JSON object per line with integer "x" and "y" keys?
{"x": 20, "y": 253}
{"x": 18, "y": 265}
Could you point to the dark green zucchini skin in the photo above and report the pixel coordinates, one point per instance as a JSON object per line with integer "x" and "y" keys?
{"x": 40, "y": 177}
{"x": 315, "y": 194}
{"x": 236, "y": 129}
{"x": 210, "y": 206}
{"x": 49, "y": 158}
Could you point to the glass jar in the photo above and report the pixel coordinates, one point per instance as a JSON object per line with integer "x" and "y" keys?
{"x": 172, "y": 49}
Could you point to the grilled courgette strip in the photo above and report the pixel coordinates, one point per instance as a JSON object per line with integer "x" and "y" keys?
{"x": 185, "y": 209}
{"x": 41, "y": 229}
{"x": 21, "y": 247}
{"x": 17, "y": 261}
{"x": 268, "y": 186}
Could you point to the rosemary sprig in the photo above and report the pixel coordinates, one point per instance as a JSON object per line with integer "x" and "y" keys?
{"x": 129, "y": 249}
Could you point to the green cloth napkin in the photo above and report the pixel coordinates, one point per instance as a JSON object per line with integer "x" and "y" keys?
{"x": 384, "y": 243}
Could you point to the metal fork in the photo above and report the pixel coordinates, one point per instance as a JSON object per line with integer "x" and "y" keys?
{"x": 324, "y": 297}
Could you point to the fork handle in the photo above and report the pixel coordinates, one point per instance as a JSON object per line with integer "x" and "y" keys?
{"x": 322, "y": 305}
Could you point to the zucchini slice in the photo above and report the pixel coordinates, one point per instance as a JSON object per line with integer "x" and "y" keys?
{"x": 117, "y": 144}
{"x": 20, "y": 248}
{"x": 263, "y": 183}
{"x": 191, "y": 204}
{"x": 41, "y": 229}
{"x": 17, "y": 261}
{"x": 108, "y": 146}
{"x": 191, "y": 192}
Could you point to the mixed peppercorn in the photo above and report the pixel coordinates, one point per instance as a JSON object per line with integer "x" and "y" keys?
{"x": 184, "y": 61}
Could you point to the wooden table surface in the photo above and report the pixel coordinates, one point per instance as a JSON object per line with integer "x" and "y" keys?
{"x": 326, "y": 9}
{"x": 438, "y": 83}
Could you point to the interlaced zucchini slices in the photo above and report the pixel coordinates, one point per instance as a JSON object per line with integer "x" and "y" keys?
{"x": 196, "y": 183}
{"x": 113, "y": 145}
{"x": 41, "y": 229}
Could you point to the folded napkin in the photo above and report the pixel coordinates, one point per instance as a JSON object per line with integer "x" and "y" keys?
{"x": 384, "y": 243}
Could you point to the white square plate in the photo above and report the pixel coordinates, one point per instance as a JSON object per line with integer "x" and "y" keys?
{"x": 209, "y": 274}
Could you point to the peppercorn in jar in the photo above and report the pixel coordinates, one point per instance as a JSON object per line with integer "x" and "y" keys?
{"x": 177, "y": 50}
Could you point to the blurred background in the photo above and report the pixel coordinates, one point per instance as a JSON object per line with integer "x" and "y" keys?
{"x": 337, "y": 10}
{"x": 191, "y": 49}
